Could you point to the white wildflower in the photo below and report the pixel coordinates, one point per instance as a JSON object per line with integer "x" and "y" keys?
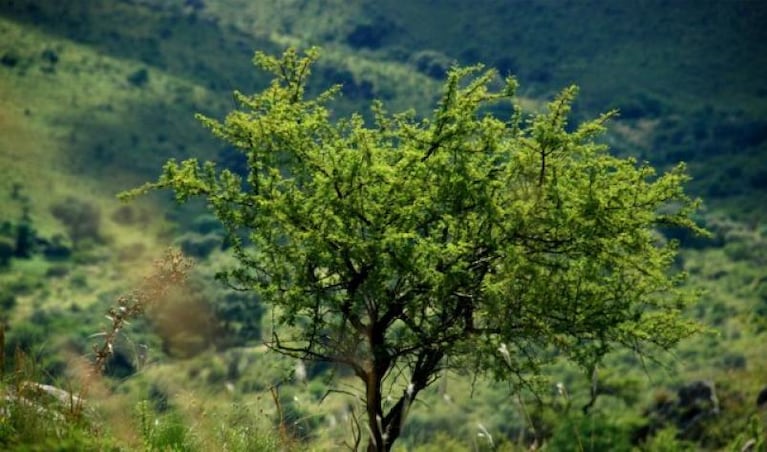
{"x": 561, "y": 389}
{"x": 300, "y": 371}
{"x": 483, "y": 433}
{"x": 505, "y": 353}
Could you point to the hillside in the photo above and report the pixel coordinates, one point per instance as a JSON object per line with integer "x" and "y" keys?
{"x": 95, "y": 96}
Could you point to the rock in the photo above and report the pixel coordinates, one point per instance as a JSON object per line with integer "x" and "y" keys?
{"x": 694, "y": 403}
{"x": 58, "y": 394}
{"x": 749, "y": 446}
{"x": 696, "y": 400}
{"x": 761, "y": 399}
{"x": 45, "y": 401}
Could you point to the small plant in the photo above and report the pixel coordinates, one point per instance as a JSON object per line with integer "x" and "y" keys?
{"x": 667, "y": 440}
{"x": 170, "y": 271}
{"x": 167, "y": 432}
{"x": 754, "y": 438}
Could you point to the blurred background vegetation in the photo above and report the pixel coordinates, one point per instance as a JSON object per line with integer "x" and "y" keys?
{"x": 96, "y": 95}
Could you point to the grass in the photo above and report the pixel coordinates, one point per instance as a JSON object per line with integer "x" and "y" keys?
{"x": 32, "y": 419}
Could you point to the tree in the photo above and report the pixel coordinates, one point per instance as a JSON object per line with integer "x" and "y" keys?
{"x": 409, "y": 245}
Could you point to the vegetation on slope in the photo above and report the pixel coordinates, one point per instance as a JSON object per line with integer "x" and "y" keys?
{"x": 94, "y": 95}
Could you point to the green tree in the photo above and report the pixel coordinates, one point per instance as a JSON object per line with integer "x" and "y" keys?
{"x": 409, "y": 245}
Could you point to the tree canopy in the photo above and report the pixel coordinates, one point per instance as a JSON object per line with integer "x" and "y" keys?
{"x": 467, "y": 239}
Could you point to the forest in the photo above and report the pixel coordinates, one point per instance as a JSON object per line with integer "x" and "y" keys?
{"x": 297, "y": 225}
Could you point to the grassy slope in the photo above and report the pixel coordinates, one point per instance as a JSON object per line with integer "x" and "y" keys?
{"x": 63, "y": 117}
{"x": 78, "y": 127}
{"x": 90, "y": 132}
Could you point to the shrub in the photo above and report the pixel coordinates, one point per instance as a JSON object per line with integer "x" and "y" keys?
{"x": 667, "y": 440}
{"x": 596, "y": 432}
{"x": 24, "y": 336}
{"x": 50, "y": 56}
{"x": 6, "y": 251}
{"x": 10, "y": 59}
{"x": 432, "y": 63}
{"x": 642, "y": 105}
{"x": 57, "y": 271}
{"x": 734, "y": 360}
{"x": 7, "y": 302}
{"x": 240, "y": 431}
{"x": 199, "y": 246}
{"x": 120, "y": 365}
{"x": 207, "y": 224}
{"x": 81, "y": 218}
{"x": 125, "y": 215}
{"x": 298, "y": 423}
{"x": 352, "y": 87}
{"x": 166, "y": 432}
{"x": 370, "y": 35}
{"x": 56, "y": 249}
{"x": 131, "y": 252}
{"x": 240, "y": 314}
{"x": 139, "y": 78}
{"x": 25, "y": 240}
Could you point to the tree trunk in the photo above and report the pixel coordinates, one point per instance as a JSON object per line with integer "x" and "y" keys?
{"x": 386, "y": 429}
{"x": 375, "y": 412}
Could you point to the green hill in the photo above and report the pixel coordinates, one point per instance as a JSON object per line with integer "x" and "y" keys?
{"x": 96, "y": 95}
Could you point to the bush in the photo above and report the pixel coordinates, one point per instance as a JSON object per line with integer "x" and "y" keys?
{"x": 139, "y": 78}
{"x": 596, "y": 432}
{"x": 426, "y": 427}
{"x": 734, "y": 361}
{"x": 240, "y": 431}
{"x": 642, "y": 105}
{"x": 25, "y": 240}
{"x": 667, "y": 440}
{"x": 167, "y": 432}
{"x": 207, "y": 224}
{"x": 24, "y": 336}
{"x": 10, "y": 59}
{"x": 6, "y": 251}
{"x": 185, "y": 321}
{"x": 131, "y": 252}
{"x": 296, "y": 420}
{"x": 81, "y": 218}
{"x": 198, "y": 246}
{"x": 56, "y": 250}
{"x": 432, "y": 63}
{"x": 370, "y": 35}
{"x": 57, "y": 271}
{"x": 120, "y": 365}
{"x": 128, "y": 215}
{"x": 50, "y": 56}
{"x": 351, "y": 86}
{"x": 240, "y": 314}
{"x": 7, "y": 302}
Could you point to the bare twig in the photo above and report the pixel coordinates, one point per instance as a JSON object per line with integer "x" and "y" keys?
{"x": 170, "y": 271}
